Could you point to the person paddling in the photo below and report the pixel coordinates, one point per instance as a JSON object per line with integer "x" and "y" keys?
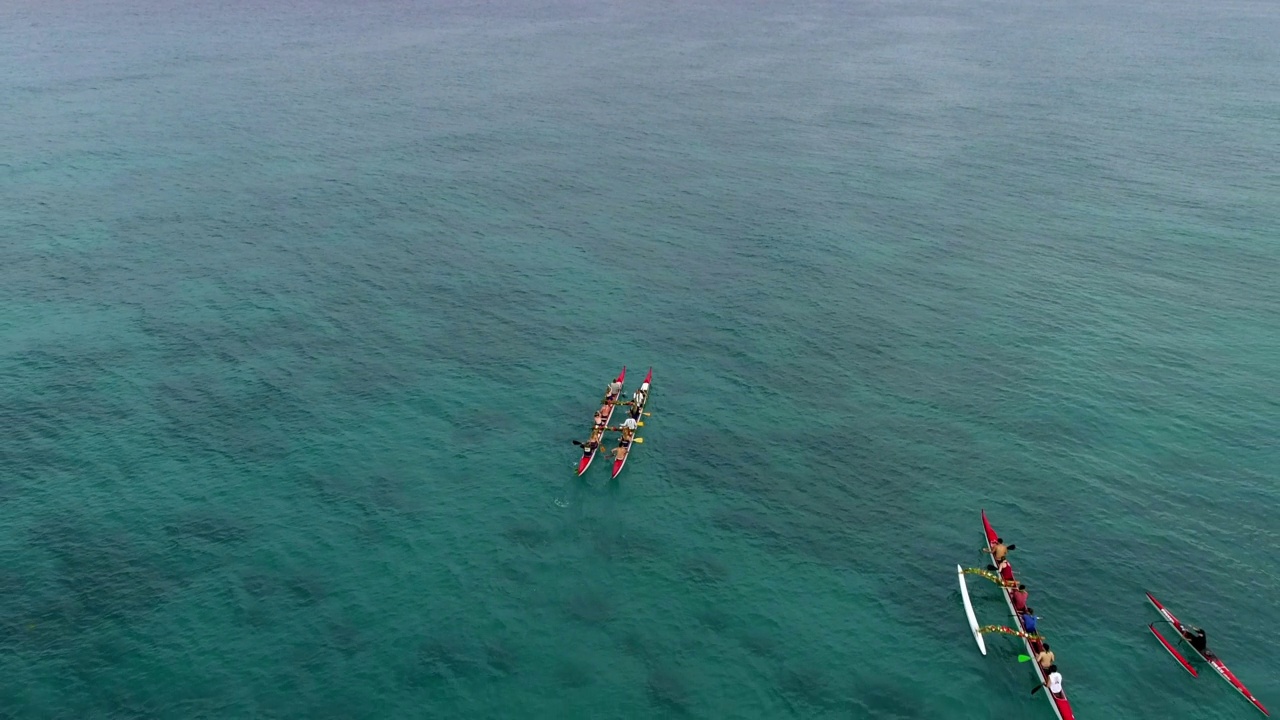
{"x": 1045, "y": 658}
{"x": 1198, "y": 640}
{"x": 588, "y": 447}
{"x": 999, "y": 551}
{"x": 1053, "y": 680}
{"x": 1028, "y": 617}
{"x": 1004, "y": 568}
{"x": 1019, "y": 597}
{"x": 612, "y": 392}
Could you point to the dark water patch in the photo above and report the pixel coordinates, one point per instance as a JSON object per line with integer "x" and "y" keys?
{"x": 104, "y": 574}
{"x": 748, "y": 522}
{"x": 306, "y": 589}
{"x": 667, "y": 690}
{"x": 179, "y": 334}
{"x": 472, "y": 428}
{"x": 714, "y": 619}
{"x": 238, "y": 419}
{"x": 761, "y": 644}
{"x": 394, "y": 491}
{"x": 805, "y": 687}
{"x": 10, "y": 488}
{"x": 704, "y": 570}
{"x": 590, "y": 607}
{"x": 337, "y": 489}
{"x": 314, "y": 657}
{"x": 371, "y": 495}
{"x": 822, "y": 523}
{"x": 515, "y": 571}
{"x": 259, "y": 585}
{"x": 527, "y": 533}
{"x": 573, "y": 675}
{"x": 209, "y": 527}
{"x": 51, "y": 402}
{"x": 639, "y": 647}
{"x": 501, "y": 657}
{"x": 885, "y": 700}
{"x": 258, "y": 615}
{"x": 914, "y": 598}
{"x": 446, "y": 657}
{"x": 36, "y": 613}
{"x": 290, "y": 590}
{"x": 347, "y": 638}
{"x": 716, "y": 460}
{"x": 623, "y": 545}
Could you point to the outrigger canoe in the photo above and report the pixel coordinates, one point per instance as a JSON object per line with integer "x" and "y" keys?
{"x": 628, "y": 439}
{"x": 1058, "y": 701}
{"x": 1210, "y": 658}
{"x": 597, "y": 433}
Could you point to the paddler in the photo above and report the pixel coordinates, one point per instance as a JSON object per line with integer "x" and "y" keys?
{"x": 1004, "y": 568}
{"x": 612, "y": 392}
{"x": 637, "y": 404}
{"x": 600, "y": 419}
{"x": 589, "y": 447}
{"x": 1028, "y": 617}
{"x": 1019, "y": 597}
{"x": 999, "y": 551}
{"x": 1053, "y": 680}
{"x": 620, "y": 452}
{"x": 629, "y": 425}
{"x": 1045, "y": 657}
{"x": 1198, "y": 640}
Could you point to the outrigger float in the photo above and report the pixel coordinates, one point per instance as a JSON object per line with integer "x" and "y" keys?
{"x": 1058, "y": 701}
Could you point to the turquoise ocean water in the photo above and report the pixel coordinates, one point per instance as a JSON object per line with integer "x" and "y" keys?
{"x": 301, "y": 304}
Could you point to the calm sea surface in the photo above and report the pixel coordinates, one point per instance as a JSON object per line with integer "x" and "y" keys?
{"x": 301, "y": 304}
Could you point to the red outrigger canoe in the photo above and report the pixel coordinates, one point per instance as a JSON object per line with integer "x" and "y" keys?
{"x": 1061, "y": 706}
{"x": 597, "y": 433}
{"x": 1212, "y": 659}
{"x": 628, "y": 436}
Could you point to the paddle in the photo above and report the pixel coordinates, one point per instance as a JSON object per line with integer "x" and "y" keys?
{"x": 1024, "y": 658}
{"x": 1036, "y": 689}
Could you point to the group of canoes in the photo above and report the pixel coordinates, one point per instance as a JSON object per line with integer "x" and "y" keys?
{"x": 627, "y": 429}
{"x": 1024, "y": 618}
{"x": 1000, "y": 571}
